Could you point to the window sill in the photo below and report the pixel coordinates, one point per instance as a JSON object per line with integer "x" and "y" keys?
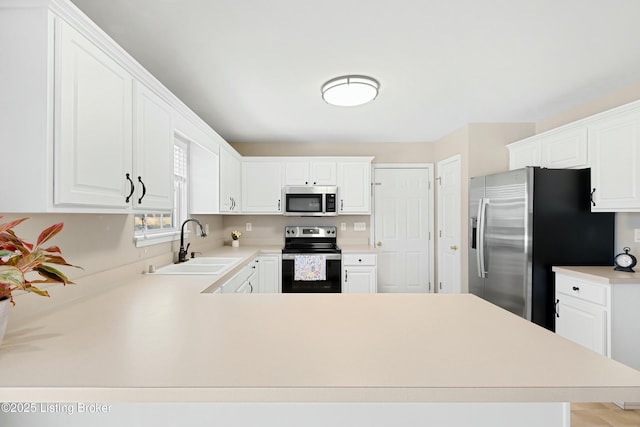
{"x": 149, "y": 239}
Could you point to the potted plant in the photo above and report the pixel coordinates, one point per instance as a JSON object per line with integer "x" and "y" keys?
{"x": 20, "y": 260}
{"x": 235, "y": 238}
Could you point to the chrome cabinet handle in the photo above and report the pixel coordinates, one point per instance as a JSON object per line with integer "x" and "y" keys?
{"x": 144, "y": 190}
{"x": 592, "y": 202}
{"x": 132, "y": 188}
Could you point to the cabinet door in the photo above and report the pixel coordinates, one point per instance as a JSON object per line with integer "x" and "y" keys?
{"x": 359, "y": 280}
{"x": 614, "y": 145}
{"x": 153, "y": 148}
{"x": 204, "y": 181}
{"x": 582, "y": 322}
{"x": 296, "y": 173}
{"x": 261, "y": 187}
{"x": 354, "y": 187}
{"x": 269, "y": 270}
{"x": 323, "y": 173}
{"x": 565, "y": 149}
{"x": 229, "y": 182}
{"x": 525, "y": 154}
{"x": 93, "y": 122}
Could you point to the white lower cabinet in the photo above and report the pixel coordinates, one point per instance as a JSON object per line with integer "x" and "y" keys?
{"x": 601, "y": 316}
{"x": 359, "y": 273}
{"x": 243, "y": 282}
{"x": 270, "y": 273}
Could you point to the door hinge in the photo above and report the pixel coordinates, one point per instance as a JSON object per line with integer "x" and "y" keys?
{"x": 439, "y": 233}
{"x": 440, "y": 286}
{"x": 429, "y": 185}
{"x": 429, "y": 235}
{"x": 439, "y": 180}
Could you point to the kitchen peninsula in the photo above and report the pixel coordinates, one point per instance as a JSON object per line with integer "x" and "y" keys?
{"x": 159, "y": 339}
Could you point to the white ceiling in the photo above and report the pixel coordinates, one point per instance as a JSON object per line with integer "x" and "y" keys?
{"x": 253, "y": 69}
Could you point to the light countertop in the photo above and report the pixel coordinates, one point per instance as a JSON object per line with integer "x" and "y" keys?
{"x": 602, "y": 274}
{"x": 159, "y": 339}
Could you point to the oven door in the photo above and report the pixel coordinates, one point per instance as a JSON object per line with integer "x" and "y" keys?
{"x": 331, "y": 282}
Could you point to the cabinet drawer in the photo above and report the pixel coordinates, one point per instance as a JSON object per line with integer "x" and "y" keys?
{"x": 359, "y": 259}
{"x": 581, "y": 289}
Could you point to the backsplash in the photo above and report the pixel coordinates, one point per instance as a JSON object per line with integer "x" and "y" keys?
{"x": 269, "y": 229}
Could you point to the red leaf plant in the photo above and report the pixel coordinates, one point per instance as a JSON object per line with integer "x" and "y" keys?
{"x": 18, "y": 257}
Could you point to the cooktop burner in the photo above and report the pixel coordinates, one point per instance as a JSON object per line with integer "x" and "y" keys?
{"x": 310, "y": 239}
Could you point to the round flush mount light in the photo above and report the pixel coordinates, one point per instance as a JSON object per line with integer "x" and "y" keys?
{"x": 349, "y": 91}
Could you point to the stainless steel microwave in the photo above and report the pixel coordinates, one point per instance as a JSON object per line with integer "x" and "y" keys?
{"x": 310, "y": 200}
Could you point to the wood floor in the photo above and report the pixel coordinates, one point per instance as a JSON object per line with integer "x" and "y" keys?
{"x": 602, "y": 415}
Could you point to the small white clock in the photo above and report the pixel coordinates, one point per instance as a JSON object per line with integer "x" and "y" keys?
{"x": 625, "y": 261}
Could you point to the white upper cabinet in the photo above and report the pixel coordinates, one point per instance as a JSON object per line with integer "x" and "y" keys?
{"x": 565, "y": 149}
{"x": 615, "y": 159}
{"x": 204, "y": 180}
{"x": 525, "y": 153}
{"x": 93, "y": 116}
{"x": 261, "y": 185}
{"x": 354, "y": 186}
{"x": 230, "y": 174}
{"x": 314, "y": 172}
{"x": 153, "y": 152}
{"x": 94, "y": 129}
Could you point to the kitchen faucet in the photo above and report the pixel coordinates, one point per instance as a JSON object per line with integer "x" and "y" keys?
{"x": 182, "y": 254}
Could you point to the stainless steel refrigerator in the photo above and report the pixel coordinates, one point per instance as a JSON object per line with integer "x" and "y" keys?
{"x": 522, "y": 223}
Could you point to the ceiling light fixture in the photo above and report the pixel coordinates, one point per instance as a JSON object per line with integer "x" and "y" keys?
{"x": 349, "y": 91}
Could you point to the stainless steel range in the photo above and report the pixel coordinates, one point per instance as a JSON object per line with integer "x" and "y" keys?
{"x": 311, "y": 260}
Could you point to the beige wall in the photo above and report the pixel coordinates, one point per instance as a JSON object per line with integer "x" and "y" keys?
{"x": 481, "y": 147}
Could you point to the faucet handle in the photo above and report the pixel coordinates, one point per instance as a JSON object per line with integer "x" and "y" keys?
{"x": 193, "y": 254}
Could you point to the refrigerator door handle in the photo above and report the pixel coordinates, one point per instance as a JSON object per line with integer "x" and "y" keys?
{"x": 482, "y": 273}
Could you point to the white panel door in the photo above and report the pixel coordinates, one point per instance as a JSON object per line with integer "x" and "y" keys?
{"x": 153, "y": 158}
{"x": 93, "y": 121}
{"x": 449, "y": 194}
{"x": 614, "y": 145}
{"x": 582, "y": 323}
{"x": 402, "y": 216}
{"x": 354, "y": 186}
{"x": 261, "y": 187}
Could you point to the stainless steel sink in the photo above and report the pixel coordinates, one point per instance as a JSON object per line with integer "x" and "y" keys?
{"x": 203, "y": 265}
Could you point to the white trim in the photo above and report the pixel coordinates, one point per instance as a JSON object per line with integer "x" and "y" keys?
{"x": 431, "y": 223}
{"x": 149, "y": 239}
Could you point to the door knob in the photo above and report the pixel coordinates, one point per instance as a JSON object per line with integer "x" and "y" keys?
{"x": 379, "y": 244}
{"x": 453, "y": 247}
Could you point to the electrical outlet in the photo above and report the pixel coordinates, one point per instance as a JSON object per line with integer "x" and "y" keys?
{"x": 636, "y": 235}
{"x": 359, "y": 226}
{"x": 248, "y": 226}
{"x": 343, "y": 226}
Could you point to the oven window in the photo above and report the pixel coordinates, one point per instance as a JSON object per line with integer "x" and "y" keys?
{"x": 333, "y": 282}
{"x": 311, "y": 203}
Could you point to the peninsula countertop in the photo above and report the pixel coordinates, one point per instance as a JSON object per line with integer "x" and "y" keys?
{"x": 159, "y": 339}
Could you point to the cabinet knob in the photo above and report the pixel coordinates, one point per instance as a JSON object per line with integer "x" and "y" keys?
{"x": 575, "y": 288}
{"x": 379, "y": 244}
{"x": 453, "y": 247}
